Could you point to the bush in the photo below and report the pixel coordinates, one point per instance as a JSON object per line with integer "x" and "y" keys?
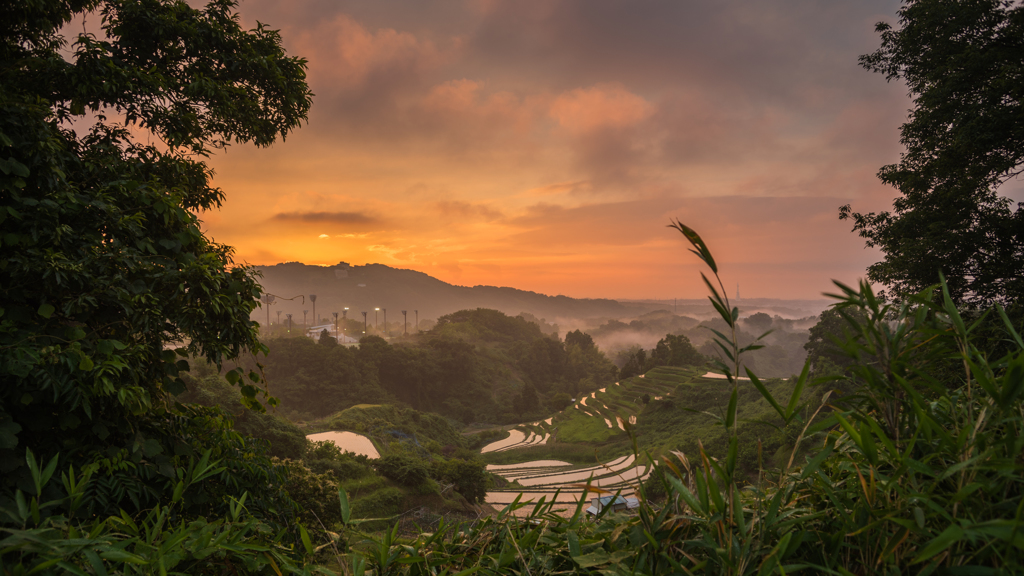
{"x": 316, "y": 495}
{"x": 406, "y": 470}
{"x": 468, "y": 476}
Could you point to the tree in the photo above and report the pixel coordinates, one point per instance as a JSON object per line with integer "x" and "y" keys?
{"x": 326, "y": 339}
{"x": 635, "y": 360}
{"x": 963, "y": 63}
{"x": 674, "y": 350}
{"x": 526, "y": 401}
{"x": 822, "y": 346}
{"x": 107, "y": 281}
{"x": 758, "y": 322}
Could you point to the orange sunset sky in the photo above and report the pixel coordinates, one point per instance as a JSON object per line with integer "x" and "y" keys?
{"x": 545, "y": 145}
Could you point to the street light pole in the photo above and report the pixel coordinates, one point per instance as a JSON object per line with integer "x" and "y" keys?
{"x": 335, "y": 324}
{"x": 385, "y": 321}
{"x": 305, "y": 327}
{"x": 289, "y": 322}
{"x": 312, "y": 298}
{"x": 268, "y": 299}
{"x": 364, "y": 322}
{"x": 344, "y": 318}
{"x": 375, "y": 310}
{"x": 405, "y": 321}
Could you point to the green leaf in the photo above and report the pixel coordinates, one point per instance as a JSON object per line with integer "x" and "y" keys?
{"x": 848, "y": 428}
{"x": 794, "y": 399}
{"x": 939, "y": 543}
{"x": 346, "y": 513}
{"x": 122, "y": 556}
{"x": 595, "y": 558}
{"x": 698, "y": 243}
{"x": 765, "y": 393}
{"x": 306, "y": 543}
{"x": 45, "y": 310}
{"x": 730, "y": 412}
{"x": 574, "y": 543}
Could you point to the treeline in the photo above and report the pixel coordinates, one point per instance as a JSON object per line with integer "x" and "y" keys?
{"x": 474, "y": 365}
{"x": 672, "y": 350}
{"x": 782, "y": 354}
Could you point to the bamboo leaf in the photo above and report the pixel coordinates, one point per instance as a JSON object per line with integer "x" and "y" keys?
{"x": 306, "y": 542}
{"x": 794, "y": 399}
{"x": 730, "y": 411}
{"x": 764, "y": 392}
{"x": 346, "y": 512}
{"x": 939, "y": 543}
{"x": 698, "y": 243}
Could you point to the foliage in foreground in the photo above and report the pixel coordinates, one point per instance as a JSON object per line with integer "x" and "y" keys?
{"x": 107, "y": 284}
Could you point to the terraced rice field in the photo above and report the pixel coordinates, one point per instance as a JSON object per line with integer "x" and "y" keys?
{"x": 596, "y": 417}
{"x": 348, "y": 442}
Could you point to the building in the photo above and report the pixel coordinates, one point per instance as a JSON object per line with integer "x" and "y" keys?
{"x": 618, "y": 504}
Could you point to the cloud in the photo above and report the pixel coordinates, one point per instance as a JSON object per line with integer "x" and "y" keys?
{"x": 345, "y": 55}
{"x": 544, "y": 144}
{"x": 325, "y": 217}
{"x": 559, "y": 188}
{"x": 467, "y": 210}
{"x": 601, "y": 106}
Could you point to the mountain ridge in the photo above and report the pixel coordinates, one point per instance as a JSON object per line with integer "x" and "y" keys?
{"x": 371, "y": 286}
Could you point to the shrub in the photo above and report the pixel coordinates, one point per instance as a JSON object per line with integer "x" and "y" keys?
{"x": 468, "y": 476}
{"x": 406, "y": 470}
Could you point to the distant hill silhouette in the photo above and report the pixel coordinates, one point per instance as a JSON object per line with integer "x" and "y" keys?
{"x": 363, "y": 288}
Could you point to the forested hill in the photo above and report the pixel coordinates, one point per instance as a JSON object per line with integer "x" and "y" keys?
{"x": 363, "y": 288}
{"x": 475, "y": 365}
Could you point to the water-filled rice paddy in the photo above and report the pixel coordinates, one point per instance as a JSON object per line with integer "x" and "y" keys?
{"x": 348, "y": 442}
{"x": 515, "y": 437}
{"x": 532, "y": 464}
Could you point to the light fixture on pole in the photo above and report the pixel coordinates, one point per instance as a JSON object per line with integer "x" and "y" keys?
{"x": 364, "y": 322}
{"x": 375, "y": 310}
{"x": 289, "y": 322}
{"x": 268, "y": 299}
{"x": 316, "y": 319}
{"x": 405, "y": 322}
{"x": 344, "y": 319}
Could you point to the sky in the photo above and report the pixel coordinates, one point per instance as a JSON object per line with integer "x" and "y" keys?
{"x": 546, "y": 145}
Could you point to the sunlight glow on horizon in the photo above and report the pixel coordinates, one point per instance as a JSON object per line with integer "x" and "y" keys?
{"x": 546, "y": 145}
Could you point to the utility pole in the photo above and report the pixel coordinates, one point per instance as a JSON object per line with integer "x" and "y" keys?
{"x": 268, "y": 299}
